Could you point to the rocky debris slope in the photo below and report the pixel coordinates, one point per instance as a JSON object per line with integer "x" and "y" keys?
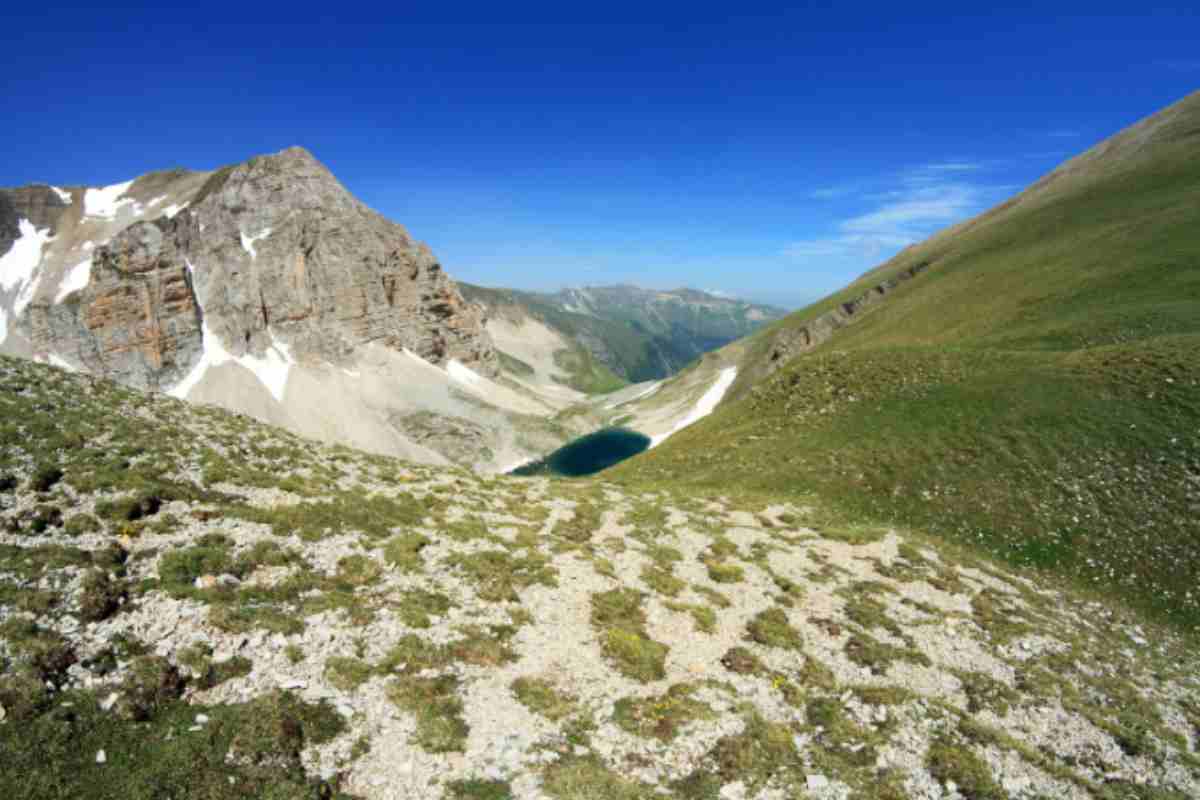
{"x": 270, "y": 254}
{"x": 195, "y": 604}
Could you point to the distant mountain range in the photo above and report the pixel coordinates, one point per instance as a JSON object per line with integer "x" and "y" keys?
{"x": 627, "y": 333}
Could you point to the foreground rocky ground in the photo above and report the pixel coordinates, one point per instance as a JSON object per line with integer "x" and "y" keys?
{"x": 196, "y": 605}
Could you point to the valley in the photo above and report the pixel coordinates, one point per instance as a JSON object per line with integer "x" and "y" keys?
{"x": 288, "y": 512}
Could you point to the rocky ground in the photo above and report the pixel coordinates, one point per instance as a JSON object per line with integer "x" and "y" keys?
{"x": 193, "y": 604}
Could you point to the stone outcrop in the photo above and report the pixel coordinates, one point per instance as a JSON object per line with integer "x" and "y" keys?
{"x": 272, "y": 251}
{"x": 137, "y": 321}
{"x": 790, "y": 342}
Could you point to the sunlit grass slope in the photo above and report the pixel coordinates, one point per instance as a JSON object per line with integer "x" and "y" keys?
{"x": 1035, "y": 390}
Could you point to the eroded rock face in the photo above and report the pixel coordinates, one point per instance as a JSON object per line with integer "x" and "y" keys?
{"x": 272, "y": 250}
{"x": 790, "y": 342}
{"x": 137, "y": 321}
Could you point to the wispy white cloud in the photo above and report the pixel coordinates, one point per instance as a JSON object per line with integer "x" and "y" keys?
{"x": 917, "y": 203}
{"x": 834, "y": 192}
{"x": 952, "y": 166}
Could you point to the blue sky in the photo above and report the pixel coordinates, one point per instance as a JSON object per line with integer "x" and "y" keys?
{"x": 771, "y": 151}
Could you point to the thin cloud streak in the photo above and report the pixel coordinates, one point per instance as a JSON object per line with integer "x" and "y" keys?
{"x": 924, "y": 201}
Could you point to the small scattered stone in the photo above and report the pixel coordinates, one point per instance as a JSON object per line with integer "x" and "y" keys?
{"x": 101, "y": 757}
{"x": 206, "y": 582}
{"x": 202, "y": 719}
{"x": 816, "y": 781}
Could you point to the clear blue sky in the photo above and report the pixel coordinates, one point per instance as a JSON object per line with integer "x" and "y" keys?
{"x": 770, "y": 151}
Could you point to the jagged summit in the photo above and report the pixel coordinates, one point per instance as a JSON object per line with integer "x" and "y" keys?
{"x": 271, "y": 252}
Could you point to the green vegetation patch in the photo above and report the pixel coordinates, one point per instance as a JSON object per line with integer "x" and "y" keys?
{"x": 438, "y": 710}
{"x": 403, "y": 551}
{"x": 771, "y": 627}
{"x": 497, "y": 575}
{"x": 621, "y": 623}
{"x": 764, "y": 752}
{"x": 704, "y": 617}
{"x": 661, "y": 716}
{"x": 243, "y": 752}
{"x": 479, "y": 789}
{"x": 540, "y": 696}
{"x": 573, "y": 777}
{"x": 416, "y": 607}
{"x": 867, "y": 651}
{"x": 346, "y": 672}
{"x": 951, "y": 762}
{"x": 724, "y": 572}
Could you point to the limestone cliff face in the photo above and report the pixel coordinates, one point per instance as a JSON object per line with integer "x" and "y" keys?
{"x": 273, "y": 251}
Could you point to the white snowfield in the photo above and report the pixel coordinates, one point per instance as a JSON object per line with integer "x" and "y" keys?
{"x": 63, "y": 195}
{"x": 19, "y": 268}
{"x": 249, "y": 241}
{"x": 19, "y": 264}
{"x": 464, "y": 374}
{"x": 271, "y": 368}
{"x": 704, "y": 406}
{"x": 106, "y": 203}
{"x": 77, "y": 278}
{"x": 58, "y": 361}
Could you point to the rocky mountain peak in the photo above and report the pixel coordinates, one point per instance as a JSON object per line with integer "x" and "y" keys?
{"x": 270, "y": 258}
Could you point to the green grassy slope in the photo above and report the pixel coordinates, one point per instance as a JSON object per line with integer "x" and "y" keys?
{"x": 1034, "y": 391}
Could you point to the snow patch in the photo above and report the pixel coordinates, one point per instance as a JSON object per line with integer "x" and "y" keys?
{"x": 19, "y": 264}
{"x": 249, "y": 241}
{"x": 20, "y": 268}
{"x": 54, "y": 359}
{"x": 63, "y": 195}
{"x": 107, "y": 202}
{"x": 464, "y": 374}
{"x": 637, "y": 396}
{"x": 76, "y": 279}
{"x": 155, "y": 201}
{"x": 171, "y": 210}
{"x": 271, "y": 368}
{"x": 509, "y": 467}
{"x": 704, "y": 406}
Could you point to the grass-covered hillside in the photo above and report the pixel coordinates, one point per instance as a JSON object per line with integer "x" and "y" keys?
{"x": 1034, "y": 389}
{"x": 195, "y": 605}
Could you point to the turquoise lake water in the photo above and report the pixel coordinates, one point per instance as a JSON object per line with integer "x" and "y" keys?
{"x": 589, "y": 454}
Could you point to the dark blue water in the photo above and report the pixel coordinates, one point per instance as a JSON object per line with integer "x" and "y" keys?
{"x": 588, "y": 454}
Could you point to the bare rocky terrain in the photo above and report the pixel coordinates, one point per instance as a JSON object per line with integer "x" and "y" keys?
{"x": 194, "y": 604}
